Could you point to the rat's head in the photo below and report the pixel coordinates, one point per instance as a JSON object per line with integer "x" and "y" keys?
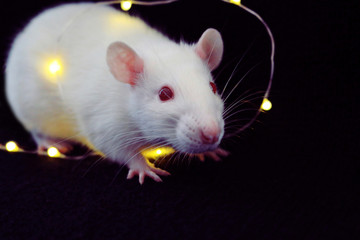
{"x": 173, "y": 97}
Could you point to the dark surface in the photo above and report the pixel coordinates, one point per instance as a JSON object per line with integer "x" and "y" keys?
{"x": 294, "y": 175}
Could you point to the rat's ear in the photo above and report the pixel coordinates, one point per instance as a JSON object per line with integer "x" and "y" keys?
{"x": 210, "y": 48}
{"x": 124, "y": 63}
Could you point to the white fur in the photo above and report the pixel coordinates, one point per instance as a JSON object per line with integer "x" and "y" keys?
{"x": 88, "y": 104}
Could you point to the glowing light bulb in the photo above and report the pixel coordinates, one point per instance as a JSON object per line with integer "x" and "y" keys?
{"x": 266, "y": 105}
{"x": 53, "y": 152}
{"x": 54, "y": 67}
{"x": 126, "y": 5}
{"x": 155, "y": 153}
{"x": 51, "y": 66}
{"x": 236, "y": 2}
{"x": 12, "y": 147}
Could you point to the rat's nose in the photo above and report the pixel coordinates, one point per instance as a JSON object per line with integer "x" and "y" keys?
{"x": 210, "y": 134}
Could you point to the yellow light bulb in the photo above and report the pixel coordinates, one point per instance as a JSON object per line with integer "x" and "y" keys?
{"x": 155, "y": 153}
{"x": 54, "y": 67}
{"x": 236, "y": 2}
{"x": 266, "y": 105}
{"x": 12, "y": 147}
{"x": 53, "y": 152}
{"x": 126, "y": 5}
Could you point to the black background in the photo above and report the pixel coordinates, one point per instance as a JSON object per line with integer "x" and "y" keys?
{"x": 293, "y": 175}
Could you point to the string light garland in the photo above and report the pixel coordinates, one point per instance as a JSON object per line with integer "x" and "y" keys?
{"x": 236, "y": 2}
{"x": 52, "y": 152}
{"x": 12, "y": 147}
{"x": 155, "y": 153}
{"x": 126, "y": 5}
{"x": 266, "y": 105}
{"x": 54, "y": 68}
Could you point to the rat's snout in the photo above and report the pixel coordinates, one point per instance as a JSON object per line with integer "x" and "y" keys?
{"x": 198, "y": 134}
{"x": 210, "y": 133}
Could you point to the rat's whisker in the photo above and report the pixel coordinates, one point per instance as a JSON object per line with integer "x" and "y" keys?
{"x": 241, "y": 101}
{"x": 93, "y": 165}
{"x": 239, "y": 111}
{"x": 230, "y": 123}
{"x": 237, "y": 84}
{"x": 236, "y": 66}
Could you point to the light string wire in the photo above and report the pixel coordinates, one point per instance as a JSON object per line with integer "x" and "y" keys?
{"x": 11, "y": 146}
{"x": 52, "y": 152}
{"x": 272, "y": 65}
{"x": 141, "y": 3}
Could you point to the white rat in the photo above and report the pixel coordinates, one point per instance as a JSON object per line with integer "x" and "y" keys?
{"x": 122, "y": 87}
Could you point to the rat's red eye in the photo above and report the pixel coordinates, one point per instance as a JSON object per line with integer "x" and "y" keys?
{"x": 166, "y": 94}
{"x": 213, "y": 87}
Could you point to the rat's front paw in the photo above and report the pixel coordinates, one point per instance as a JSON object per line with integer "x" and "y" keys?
{"x": 142, "y": 169}
{"x": 215, "y": 155}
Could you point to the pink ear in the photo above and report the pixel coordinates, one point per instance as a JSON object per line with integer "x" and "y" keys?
{"x": 210, "y": 48}
{"x": 124, "y": 63}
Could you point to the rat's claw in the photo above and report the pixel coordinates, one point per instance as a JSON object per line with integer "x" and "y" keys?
{"x": 154, "y": 176}
{"x": 222, "y": 152}
{"x": 141, "y": 178}
{"x": 160, "y": 171}
{"x": 131, "y": 174}
{"x": 201, "y": 157}
{"x": 142, "y": 174}
{"x": 215, "y": 155}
